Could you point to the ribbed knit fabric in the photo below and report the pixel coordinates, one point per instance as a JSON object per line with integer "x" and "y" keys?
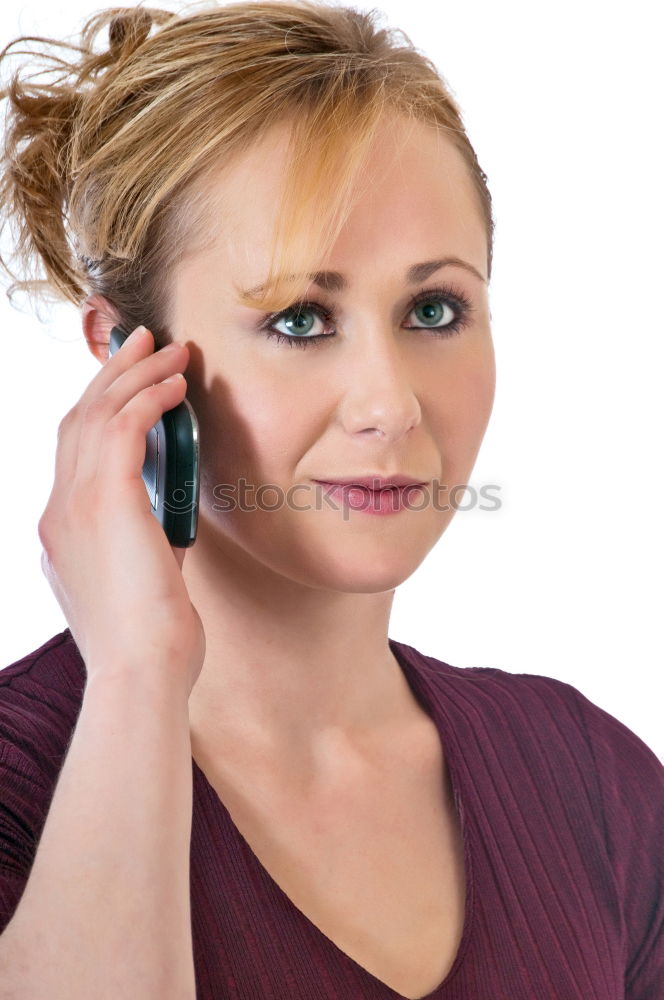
{"x": 562, "y": 812}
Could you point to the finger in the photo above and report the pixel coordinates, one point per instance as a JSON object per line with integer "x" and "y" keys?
{"x": 69, "y": 429}
{"x": 122, "y": 442}
{"x": 139, "y": 344}
{"x": 145, "y": 373}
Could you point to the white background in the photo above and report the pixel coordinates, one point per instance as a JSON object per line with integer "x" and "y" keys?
{"x": 563, "y": 105}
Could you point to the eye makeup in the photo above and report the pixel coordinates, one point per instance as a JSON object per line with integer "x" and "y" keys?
{"x": 451, "y": 297}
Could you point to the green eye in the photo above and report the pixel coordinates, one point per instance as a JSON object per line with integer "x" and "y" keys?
{"x": 298, "y": 324}
{"x": 295, "y": 319}
{"x": 444, "y": 312}
{"x": 432, "y": 311}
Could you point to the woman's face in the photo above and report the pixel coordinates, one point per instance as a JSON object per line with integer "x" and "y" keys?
{"x": 382, "y": 393}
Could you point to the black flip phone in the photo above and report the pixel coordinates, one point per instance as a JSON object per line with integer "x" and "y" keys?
{"x": 171, "y": 468}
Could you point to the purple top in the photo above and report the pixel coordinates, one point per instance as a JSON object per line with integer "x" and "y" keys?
{"x": 562, "y": 813}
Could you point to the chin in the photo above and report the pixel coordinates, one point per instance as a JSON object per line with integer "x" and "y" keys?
{"x": 362, "y": 572}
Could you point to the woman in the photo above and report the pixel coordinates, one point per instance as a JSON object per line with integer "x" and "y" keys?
{"x": 259, "y": 794}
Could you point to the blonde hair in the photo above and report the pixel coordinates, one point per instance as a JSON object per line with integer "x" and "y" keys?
{"x": 105, "y": 165}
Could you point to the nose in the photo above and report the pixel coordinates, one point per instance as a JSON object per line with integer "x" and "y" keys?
{"x": 380, "y": 398}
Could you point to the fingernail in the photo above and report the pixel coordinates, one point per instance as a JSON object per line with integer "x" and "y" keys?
{"x": 136, "y": 335}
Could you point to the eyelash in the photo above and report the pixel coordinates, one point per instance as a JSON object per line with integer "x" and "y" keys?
{"x": 449, "y": 294}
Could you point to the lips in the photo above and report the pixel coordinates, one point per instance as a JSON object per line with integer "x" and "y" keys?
{"x": 373, "y": 494}
{"x": 374, "y": 482}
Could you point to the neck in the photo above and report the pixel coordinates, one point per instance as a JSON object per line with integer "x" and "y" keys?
{"x": 288, "y": 667}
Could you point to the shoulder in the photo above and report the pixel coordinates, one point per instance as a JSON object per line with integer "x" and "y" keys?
{"x": 551, "y": 708}
{"x": 40, "y": 699}
{"x": 536, "y": 723}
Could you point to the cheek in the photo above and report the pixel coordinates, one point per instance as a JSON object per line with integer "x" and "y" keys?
{"x": 479, "y": 392}
{"x": 462, "y": 405}
{"x": 278, "y": 414}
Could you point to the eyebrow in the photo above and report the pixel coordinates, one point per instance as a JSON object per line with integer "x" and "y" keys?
{"x": 334, "y": 281}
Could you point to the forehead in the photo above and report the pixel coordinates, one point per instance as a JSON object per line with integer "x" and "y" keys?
{"x": 414, "y": 185}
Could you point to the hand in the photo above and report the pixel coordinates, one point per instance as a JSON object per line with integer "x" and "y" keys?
{"x": 111, "y": 567}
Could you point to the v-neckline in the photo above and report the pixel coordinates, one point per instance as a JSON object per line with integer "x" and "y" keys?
{"x": 419, "y": 688}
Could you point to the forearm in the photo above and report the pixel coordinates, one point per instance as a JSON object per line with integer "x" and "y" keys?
{"x": 106, "y": 909}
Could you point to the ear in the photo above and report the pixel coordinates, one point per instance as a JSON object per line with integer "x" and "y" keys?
{"x": 98, "y": 317}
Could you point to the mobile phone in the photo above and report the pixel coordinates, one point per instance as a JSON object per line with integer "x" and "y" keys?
{"x": 171, "y": 471}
